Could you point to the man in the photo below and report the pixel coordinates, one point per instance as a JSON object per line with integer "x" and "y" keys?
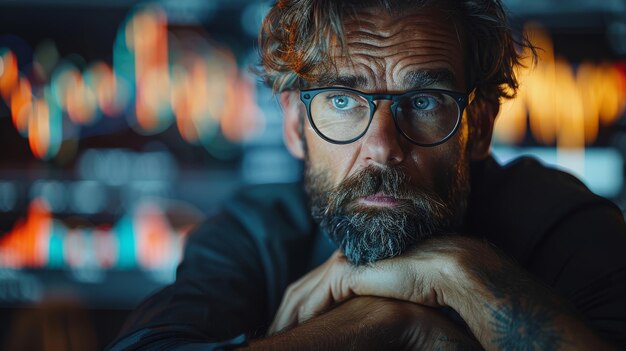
{"x": 433, "y": 245}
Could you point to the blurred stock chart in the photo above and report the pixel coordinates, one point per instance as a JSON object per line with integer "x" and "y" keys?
{"x": 124, "y": 123}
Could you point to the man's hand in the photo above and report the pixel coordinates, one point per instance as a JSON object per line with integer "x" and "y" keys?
{"x": 420, "y": 276}
{"x": 503, "y": 306}
{"x": 373, "y": 323}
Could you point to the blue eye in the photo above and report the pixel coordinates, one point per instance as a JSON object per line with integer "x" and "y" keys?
{"x": 425, "y": 102}
{"x": 343, "y": 102}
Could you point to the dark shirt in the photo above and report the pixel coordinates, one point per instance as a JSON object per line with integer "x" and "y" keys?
{"x": 238, "y": 263}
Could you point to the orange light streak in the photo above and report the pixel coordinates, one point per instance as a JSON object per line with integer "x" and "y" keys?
{"x": 611, "y": 98}
{"x": 158, "y": 245}
{"x": 569, "y": 118}
{"x": 241, "y": 118}
{"x": 562, "y": 106}
{"x": 9, "y": 75}
{"x": 78, "y": 99}
{"x": 22, "y": 97}
{"x": 154, "y": 237}
{"x": 26, "y": 245}
{"x": 182, "y": 90}
{"x": 150, "y": 44}
{"x": 103, "y": 83}
{"x": 514, "y": 128}
{"x": 39, "y": 129}
{"x": 206, "y": 89}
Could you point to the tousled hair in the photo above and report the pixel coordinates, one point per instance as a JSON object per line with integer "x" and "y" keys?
{"x": 298, "y": 38}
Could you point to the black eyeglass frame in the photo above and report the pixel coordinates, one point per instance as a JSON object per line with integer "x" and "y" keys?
{"x": 461, "y": 99}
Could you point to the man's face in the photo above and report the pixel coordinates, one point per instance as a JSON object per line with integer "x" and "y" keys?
{"x": 380, "y": 195}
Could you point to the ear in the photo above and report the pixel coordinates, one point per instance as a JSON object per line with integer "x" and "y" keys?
{"x": 482, "y": 119}
{"x": 292, "y": 132}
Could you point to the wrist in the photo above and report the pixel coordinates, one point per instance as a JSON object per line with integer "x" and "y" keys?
{"x": 454, "y": 286}
{"x": 457, "y": 266}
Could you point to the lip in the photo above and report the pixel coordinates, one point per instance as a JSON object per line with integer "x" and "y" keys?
{"x": 379, "y": 199}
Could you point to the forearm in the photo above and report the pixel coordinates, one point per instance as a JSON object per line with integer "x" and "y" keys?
{"x": 339, "y": 329}
{"x": 523, "y": 325}
{"x": 510, "y": 310}
{"x": 315, "y": 334}
{"x": 306, "y": 337}
{"x": 371, "y": 323}
{"x": 528, "y": 321}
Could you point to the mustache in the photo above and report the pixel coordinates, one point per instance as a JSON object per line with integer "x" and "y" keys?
{"x": 391, "y": 181}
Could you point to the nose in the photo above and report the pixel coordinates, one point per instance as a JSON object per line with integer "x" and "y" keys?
{"x": 382, "y": 142}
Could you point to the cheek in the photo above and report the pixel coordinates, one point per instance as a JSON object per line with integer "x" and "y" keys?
{"x": 335, "y": 160}
{"x": 430, "y": 167}
{"x": 435, "y": 167}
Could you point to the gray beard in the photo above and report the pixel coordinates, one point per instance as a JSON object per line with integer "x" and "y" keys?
{"x": 368, "y": 234}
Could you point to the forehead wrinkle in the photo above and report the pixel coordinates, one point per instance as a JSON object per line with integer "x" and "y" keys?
{"x": 397, "y": 26}
{"x": 363, "y": 26}
{"x": 375, "y": 80}
{"x": 381, "y": 48}
{"x": 376, "y": 73}
{"x": 425, "y": 61}
{"x": 375, "y": 32}
{"x": 405, "y": 47}
{"x": 382, "y": 24}
{"x": 435, "y": 39}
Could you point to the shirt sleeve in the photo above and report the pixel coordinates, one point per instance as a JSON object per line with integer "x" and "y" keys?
{"x": 582, "y": 258}
{"x": 218, "y": 296}
{"x": 567, "y": 237}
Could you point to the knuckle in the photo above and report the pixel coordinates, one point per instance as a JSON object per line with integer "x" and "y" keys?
{"x": 304, "y": 313}
{"x": 302, "y": 310}
{"x": 334, "y": 269}
{"x": 343, "y": 288}
{"x": 292, "y": 290}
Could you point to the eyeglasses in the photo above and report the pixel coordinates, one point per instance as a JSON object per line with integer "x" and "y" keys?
{"x": 426, "y": 117}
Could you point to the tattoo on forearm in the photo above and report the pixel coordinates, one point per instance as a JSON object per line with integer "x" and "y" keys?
{"x": 522, "y": 323}
{"x": 524, "y": 326}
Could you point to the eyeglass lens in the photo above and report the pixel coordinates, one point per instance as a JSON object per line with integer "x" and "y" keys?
{"x": 425, "y": 117}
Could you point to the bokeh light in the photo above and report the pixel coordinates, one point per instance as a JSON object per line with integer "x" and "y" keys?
{"x": 155, "y": 79}
{"x": 9, "y": 74}
{"x": 565, "y": 105}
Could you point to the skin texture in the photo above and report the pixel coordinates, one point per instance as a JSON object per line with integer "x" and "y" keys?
{"x": 385, "y": 55}
{"x": 501, "y": 304}
{"x": 384, "y": 50}
{"x": 374, "y": 323}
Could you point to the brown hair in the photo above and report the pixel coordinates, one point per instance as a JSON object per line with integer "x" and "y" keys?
{"x": 298, "y": 35}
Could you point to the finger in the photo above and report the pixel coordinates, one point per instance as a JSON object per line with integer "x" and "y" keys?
{"x": 331, "y": 289}
{"x": 319, "y": 300}
{"x": 304, "y": 290}
{"x": 308, "y": 281}
{"x": 297, "y": 293}
{"x": 284, "y": 318}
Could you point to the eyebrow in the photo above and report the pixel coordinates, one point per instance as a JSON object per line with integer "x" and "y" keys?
{"x": 418, "y": 79}
{"x": 347, "y": 80}
{"x": 427, "y": 78}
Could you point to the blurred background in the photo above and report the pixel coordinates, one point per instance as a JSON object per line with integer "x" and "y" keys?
{"x": 124, "y": 123}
